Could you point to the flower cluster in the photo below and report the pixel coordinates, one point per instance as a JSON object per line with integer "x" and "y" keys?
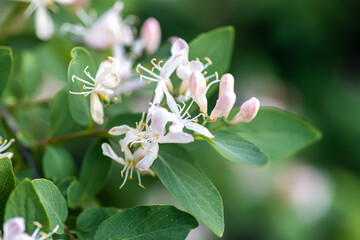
{"x": 14, "y": 229}
{"x": 5, "y": 144}
{"x": 170, "y": 123}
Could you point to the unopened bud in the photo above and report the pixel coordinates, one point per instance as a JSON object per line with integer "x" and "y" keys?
{"x": 151, "y": 35}
{"x": 248, "y": 111}
{"x": 197, "y": 87}
{"x": 223, "y": 105}
{"x": 226, "y": 84}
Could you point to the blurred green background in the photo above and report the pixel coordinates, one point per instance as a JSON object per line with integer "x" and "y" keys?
{"x": 302, "y": 56}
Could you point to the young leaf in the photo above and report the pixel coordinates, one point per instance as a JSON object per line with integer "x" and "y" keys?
{"x": 94, "y": 171}
{"x": 7, "y": 184}
{"x": 25, "y": 202}
{"x": 53, "y": 202}
{"x": 89, "y": 220}
{"x": 147, "y": 222}
{"x": 74, "y": 192}
{"x": 236, "y": 149}
{"x": 179, "y": 173}
{"x": 78, "y": 105}
{"x": 216, "y": 45}
{"x": 31, "y": 74}
{"x": 6, "y": 66}
{"x": 278, "y": 133}
{"x": 58, "y": 163}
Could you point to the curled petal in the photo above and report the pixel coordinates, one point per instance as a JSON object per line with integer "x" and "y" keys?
{"x": 44, "y": 25}
{"x": 248, "y": 111}
{"x": 119, "y": 130}
{"x": 97, "y": 111}
{"x": 109, "y": 152}
{"x": 223, "y": 106}
{"x": 176, "y": 137}
{"x": 13, "y": 227}
{"x": 226, "y": 84}
{"x": 179, "y": 47}
{"x": 184, "y": 71}
{"x": 149, "y": 157}
{"x": 197, "y": 87}
{"x": 159, "y": 92}
{"x": 110, "y": 78}
{"x": 151, "y": 35}
{"x": 159, "y": 119}
{"x": 199, "y": 129}
{"x": 140, "y": 153}
{"x": 129, "y": 138}
{"x": 7, "y": 154}
{"x": 171, "y": 103}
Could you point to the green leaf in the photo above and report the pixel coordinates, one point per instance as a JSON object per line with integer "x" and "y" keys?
{"x": 278, "y": 133}
{"x": 94, "y": 171}
{"x": 25, "y": 202}
{"x": 179, "y": 173}
{"x": 60, "y": 117}
{"x": 53, "y": 202}
{"x": 6, "y": 66}
{"x": 216, "y": 45}
{"x": 58, "y": 163}
{"x": 30, "y": 72}
{"x": 147, "y": 222}
{"x": 7, "y": 184}
{"x": 236, "y": 149}
{"x": 89, "y": 220}
{"x": 73, "y": 194}
{"x": 78, "y": 105}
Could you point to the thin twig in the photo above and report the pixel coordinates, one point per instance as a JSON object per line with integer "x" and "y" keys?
{"x": 74, "y": 135}
{"x": 68, "y": 232}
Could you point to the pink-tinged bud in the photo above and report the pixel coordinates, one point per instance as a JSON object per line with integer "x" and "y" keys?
{"x": 226, "y": 84}
{"x": 223, "y": 106}
{"x": 197, "y": 86}
{"x": 173, "y": 39}
{"x": 248, "y": 111}
{"x": 151, "y": 35}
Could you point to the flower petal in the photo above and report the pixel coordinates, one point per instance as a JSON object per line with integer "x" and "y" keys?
{"x": 176, "y": 137}
{"x": 119, "y": 130}
{"x": 159, "y": 92}
{"x": 185, "y": 70}
{"x": 223, "y": 105}
{"x": 171, "y": 103}
{"x": 97, "y": 111}
{"x": 65, "y": 2}
{"x": 7, "y": 154}
{"x": 129, "y": 138}
{"x": 179, "y": 46}
{"x": 149, "y": 158}
{"x": 151, "y": 35}
{"x": 13, "y": 227}
{"x": 198, "y": 129}
{"x": 159, "y": 119}
{"x": 108, "y": 151}
{"x": 44, "y": 25}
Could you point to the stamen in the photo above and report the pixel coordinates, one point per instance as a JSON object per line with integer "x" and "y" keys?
{"x": 131, "y": 173}
{"x": 213, "y": 82}
{"x": 204, "y": 73}
{"x": 208, "y": 60}
{"x": 155, "y": 65}
{"x": 126, "y": 177}
{"x": 122, "y": 171}
{"x": 160, "y": 62}
{"x": 6, "y": 144}
{"x": 187, "y": 110}
{"x": 213, "y": 75}
{"x": 81, "y": 80}
{"x": 81, "y": 93}
{"x": 147, "y": 70}
{"x": 195, "y": 119}
{"x": 149, "y": 78}
{"x": 88, "y": 74}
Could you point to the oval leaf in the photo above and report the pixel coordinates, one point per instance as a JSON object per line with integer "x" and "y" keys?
{"x": 7, "y": 184}
{"x": 190, "y": 186}
{"x": 53, "y": 202}
{"x": 89, "y": 220}
{"x": 6, "y": 66}
{"x": 30, "y": 72}
{"x": 216, "y": 45}
{"x": 236, "y": 149}
{"x": 78, "y": 105}
{"x": 58, "y": 163}
{"x": 147, "y": 222}
{"x": 278, "y": 133}
{"x": 25, "y": 202}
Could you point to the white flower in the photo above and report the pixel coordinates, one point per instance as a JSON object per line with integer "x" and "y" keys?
{"x": 183, "y": 118}
{"x": 179, "y": 54}
{"x": 226, "y": 98}
{"x": 248, "y": 111}
{"x": 44, "y": 25}
{"x": 107, "y": 78}
{"x": 14, "y": 229}
{"x": 5, "y": 145}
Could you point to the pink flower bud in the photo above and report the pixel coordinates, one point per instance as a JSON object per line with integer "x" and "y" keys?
{"x": 197, "y": 87}
{"x": 248, "y": 111}
{"x": 226, "y": 84}
{"x": 151, "y": 35}
{"x": 223, "y": 105}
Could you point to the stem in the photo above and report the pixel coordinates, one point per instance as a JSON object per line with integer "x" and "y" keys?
{"x": 67, "y": 230}
{"x": 217, "y": 127}
{"x": 72, "y": 136}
